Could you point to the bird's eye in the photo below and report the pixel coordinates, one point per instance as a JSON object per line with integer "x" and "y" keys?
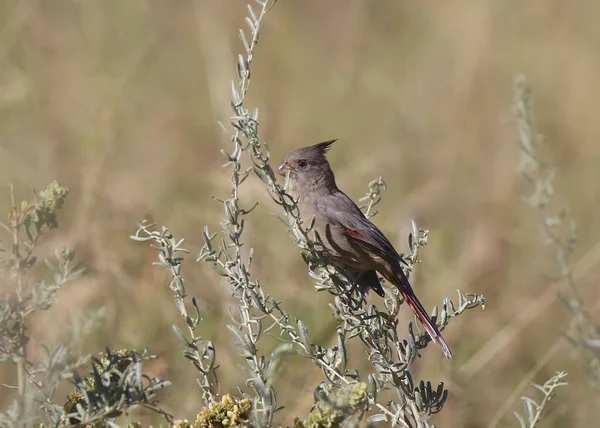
{"x": 301, "y": 163}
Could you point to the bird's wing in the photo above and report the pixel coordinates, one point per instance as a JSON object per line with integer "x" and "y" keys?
{"x": 340, "y": 210}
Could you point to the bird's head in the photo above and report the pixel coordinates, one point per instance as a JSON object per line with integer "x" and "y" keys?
{"x": 308, "y": 167}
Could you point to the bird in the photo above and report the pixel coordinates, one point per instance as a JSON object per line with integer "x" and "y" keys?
{"x": 349, "y": 237}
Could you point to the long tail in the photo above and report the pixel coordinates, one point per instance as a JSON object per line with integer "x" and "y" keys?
{"x": 416, "y": 306}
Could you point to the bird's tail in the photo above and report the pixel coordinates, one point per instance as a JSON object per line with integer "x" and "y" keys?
{"x": 416, "y": 306}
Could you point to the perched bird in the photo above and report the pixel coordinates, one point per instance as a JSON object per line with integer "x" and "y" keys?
{"x": 349, "y": 237}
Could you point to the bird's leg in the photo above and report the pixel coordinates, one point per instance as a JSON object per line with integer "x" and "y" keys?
{"x": 342, "y": 274}
{"x": 353, "y": 282}
{"x": 358, "y": 278}
{"x": 322, "y": 255}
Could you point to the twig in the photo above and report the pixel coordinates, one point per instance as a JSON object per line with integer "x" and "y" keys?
{"x": 21, "y": 359}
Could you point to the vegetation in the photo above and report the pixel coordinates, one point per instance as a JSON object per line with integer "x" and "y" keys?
{"x": 265, "y": 348}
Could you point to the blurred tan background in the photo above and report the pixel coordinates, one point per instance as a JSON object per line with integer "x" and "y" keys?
{"x": 119, "y": 100}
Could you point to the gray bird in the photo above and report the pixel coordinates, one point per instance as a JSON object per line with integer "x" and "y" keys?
{"x": 349, "y": 237}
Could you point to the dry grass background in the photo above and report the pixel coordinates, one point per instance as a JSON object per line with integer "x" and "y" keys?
{"x": 119, "y": 100}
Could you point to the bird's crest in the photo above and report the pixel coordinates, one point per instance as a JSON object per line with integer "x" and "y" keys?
{"x": 324, "y": 146}
{"x": 319, "y": 149}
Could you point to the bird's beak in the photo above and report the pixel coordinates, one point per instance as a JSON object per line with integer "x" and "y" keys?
{"x": 284, "y": 167}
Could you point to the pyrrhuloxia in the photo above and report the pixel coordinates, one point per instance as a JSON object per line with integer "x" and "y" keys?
{"x": 349, "y": 237}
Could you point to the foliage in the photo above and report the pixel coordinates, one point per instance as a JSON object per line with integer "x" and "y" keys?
{"x": 230, "y": 411}
{"x": 116, "y": 382}
{"x": 533, "y": 409}
{"x": 260, "y": 313}
{"x": 203, "y": 358}
{"x": 336, "y": 408}
{"x": 558, "y": 227}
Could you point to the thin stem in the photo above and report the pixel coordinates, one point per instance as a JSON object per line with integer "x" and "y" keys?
{"x": 5, "y": 227}
{"x": 243, "y": 281}
{"x": 167, "y": 248}
{"x": 22, "y": 349}
{"x": 208, "y": 393}
{"x": 415, "y": 413}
